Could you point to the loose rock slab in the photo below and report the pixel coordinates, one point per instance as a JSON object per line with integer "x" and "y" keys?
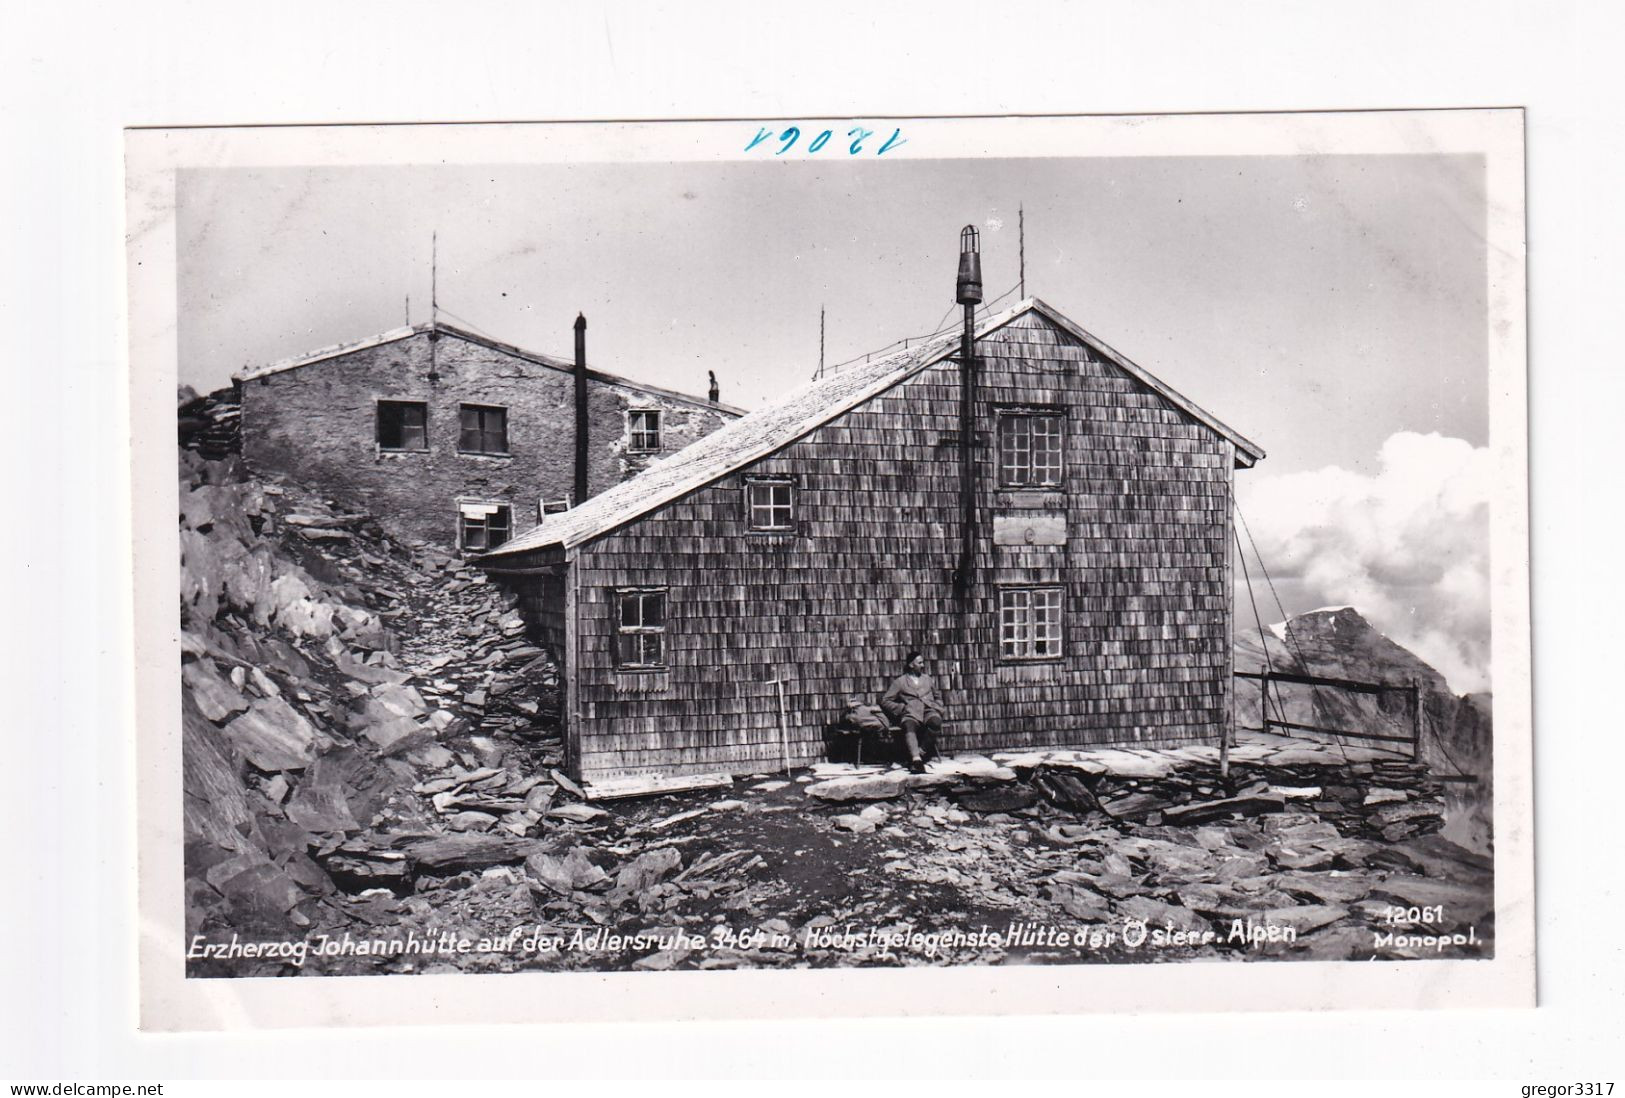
{"x": 215, "y": 696}
{"x": 977, "y": 767}
{"x": 273, "y": 736}
{"x": 1032, "y": 760}
{"x": 1203, "y": 811}
{"x": 1325, "y": 888}
{"x": 1305, "y": 919}
{"x": 648, "y": 869}
{"x": 576, "y": 813}
{"x": 879, "y": 787}
{"x": 1000, "y": 800}
{"x": 1157, "y": 914}
{"x": 467, "y": 850}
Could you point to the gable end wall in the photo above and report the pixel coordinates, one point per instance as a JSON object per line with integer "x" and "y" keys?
{"x": 317, "y": 424}
{"x": 866, "y": 576}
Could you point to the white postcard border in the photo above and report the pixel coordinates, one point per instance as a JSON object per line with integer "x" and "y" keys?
{"x": 169, "y": 1001}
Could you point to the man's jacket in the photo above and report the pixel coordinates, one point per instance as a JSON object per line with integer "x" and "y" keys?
{"x": 908, "y": 696}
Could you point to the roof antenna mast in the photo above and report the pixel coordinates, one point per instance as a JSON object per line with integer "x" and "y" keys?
{"x": 434, "y": 305}
{"x": 1021, "y": 234}
{"x": 820, "y": 341}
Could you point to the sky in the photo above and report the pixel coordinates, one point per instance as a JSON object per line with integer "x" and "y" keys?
{"x": 1323, "y": 306}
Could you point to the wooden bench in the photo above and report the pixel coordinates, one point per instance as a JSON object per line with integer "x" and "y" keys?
{"x": 837, "y": 735}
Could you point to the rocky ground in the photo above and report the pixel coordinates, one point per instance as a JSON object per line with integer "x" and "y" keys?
{"x": 372, "y": 785}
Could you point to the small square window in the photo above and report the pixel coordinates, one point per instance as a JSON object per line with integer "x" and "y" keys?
{"x": 770, "y": 503}
{"x": 640, "y": 627}
{"x": 483, "y": 526}
{"x": 1030, "y": 451}
{"x": 403, "y": 425}
{"x": 644, "y": 427}
{"x": 1030, "y": 625}
{"x": 484, "y": 429}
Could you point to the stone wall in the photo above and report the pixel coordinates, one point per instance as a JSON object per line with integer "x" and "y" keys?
{"x": 318, "y": 424}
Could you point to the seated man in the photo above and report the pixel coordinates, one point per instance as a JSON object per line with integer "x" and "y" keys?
{"x": 914, "y": 706}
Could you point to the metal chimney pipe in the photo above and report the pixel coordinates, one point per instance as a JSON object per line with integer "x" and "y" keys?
{"x": 714, "y": 394}
{"x": 969, "y": 294}
{"x": 581, "y": 490}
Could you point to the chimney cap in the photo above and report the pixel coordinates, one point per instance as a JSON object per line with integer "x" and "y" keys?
{"x": 581, "y": 321}
{"x": 969, "y": 289}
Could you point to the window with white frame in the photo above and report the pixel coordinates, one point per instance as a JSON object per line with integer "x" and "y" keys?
{"x": 640, "y": 627}
{"x": 1030, "y": 448}
{"x": 644, "y": 428}
{"x": 770, "y": 503}
{"x": 483, "y": 526}
{"x": 1030, "y": 624}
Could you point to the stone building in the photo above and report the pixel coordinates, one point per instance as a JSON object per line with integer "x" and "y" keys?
{"x": 458, "y": 439}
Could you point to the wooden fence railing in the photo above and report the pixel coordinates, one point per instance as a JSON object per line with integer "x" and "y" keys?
{"x": 1412, "y": 690}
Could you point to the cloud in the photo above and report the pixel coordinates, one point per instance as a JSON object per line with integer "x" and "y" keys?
{"x": 1407, "y": 546}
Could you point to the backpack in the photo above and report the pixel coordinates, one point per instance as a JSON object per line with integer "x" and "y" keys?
{"x": 866, "y": 718}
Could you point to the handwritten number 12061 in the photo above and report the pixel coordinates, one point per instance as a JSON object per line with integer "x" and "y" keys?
{"x": 787, "y": 138}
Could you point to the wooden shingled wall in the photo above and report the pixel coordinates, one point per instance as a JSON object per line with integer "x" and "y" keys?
{"x": 867, "y": 575}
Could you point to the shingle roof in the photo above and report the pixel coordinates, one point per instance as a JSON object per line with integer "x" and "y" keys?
{"x": 763, "y": 432}
{"x": 395, "y": 335}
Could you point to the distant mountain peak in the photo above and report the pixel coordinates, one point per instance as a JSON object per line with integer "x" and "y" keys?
{"x": 1335, "y": 617}
{"x": 1336, "y": 641}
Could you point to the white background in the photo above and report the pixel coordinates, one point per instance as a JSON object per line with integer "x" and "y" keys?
{"x": 74, "y": 75}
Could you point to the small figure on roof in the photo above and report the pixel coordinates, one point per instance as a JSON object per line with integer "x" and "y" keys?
{"x": 913, "y": 704}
